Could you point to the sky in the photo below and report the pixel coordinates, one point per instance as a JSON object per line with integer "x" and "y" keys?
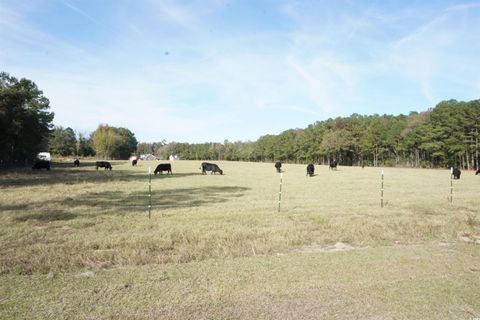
{"x": 210, "y": 70}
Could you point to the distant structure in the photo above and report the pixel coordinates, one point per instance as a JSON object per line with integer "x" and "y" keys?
{"x": 174, "y": 157}
{"x": 148, "y": 157}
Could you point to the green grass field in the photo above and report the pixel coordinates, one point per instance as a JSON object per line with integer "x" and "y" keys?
{"x": 78, "y": 244}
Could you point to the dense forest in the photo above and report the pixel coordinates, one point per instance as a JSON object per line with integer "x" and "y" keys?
{"x": 26, "y": 128}
{"x": 446, "y": 135}
{"x": 25, "y": 120}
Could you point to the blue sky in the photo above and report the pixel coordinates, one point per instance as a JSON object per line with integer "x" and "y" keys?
{"x": 210, "y": 70}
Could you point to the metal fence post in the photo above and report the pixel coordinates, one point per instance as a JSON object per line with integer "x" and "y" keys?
{"x": 280, "y": 192}
{"x": 149, "y": 192}
{"x": 381, "y": 193}
{"x": 451, "y": 184}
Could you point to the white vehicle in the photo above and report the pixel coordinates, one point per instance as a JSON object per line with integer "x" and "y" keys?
{"x": 44, "y": 156}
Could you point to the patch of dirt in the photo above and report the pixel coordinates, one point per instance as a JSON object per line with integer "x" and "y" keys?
{"x": 339, "y": 246}
{"x": 86, "y": 274}
{"x": 471, "y": 238}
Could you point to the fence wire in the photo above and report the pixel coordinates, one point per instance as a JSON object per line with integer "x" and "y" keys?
{"x": 393, "y": 196}
{"x": 319, "y": 203}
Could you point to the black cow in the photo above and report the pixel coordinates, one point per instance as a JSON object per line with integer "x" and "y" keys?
{"x": 210, "y": 167}
{"x": 134, "y": 162}
{"x": 103, "y": 164}
{"x": 310, "y": 170}
{"x": 76, "y": 163}
{"x": 477, "y": 172}
{"x": 456, "y": 173}
{"x": 333, "y": 164}
{"x": 163, "y": 167}
{"x": 41, "y": 164}
{"x": 278, "y": 166}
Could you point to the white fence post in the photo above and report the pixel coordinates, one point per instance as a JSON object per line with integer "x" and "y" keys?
{"x": 381, "y": 193}
{"x": 280, "y": 192}
{"x": 451, "y": 184}
{"x": 149, "y": 192}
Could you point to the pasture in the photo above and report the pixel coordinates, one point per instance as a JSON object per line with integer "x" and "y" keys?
{"x": 76, "y": 243}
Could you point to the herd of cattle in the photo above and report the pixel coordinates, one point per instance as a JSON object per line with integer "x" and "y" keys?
{"x": 206, "y": 166}
{"x": 167, "y": 167}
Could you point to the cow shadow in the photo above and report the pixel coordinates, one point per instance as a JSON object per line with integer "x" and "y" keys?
{"x": 66, "y": 173}
{"x": 47, "y": 216}
{"x": 83, "y": 164}
{"x": 175, "y": 175}
{"x": 68, "y": 176}
{"x": 121, "y": 202}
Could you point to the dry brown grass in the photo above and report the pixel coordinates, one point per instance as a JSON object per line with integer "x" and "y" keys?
{"x": 78, "y": 217}
{"x": 59, "y": 224}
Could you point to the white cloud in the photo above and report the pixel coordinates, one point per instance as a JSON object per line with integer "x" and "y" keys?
{"x": 188, "y": 15}
{"x": 425, "y": 54}
{"x": 225, "y": 85}
{"x": 80, "y": 12}
{"x": 464, "y": 6}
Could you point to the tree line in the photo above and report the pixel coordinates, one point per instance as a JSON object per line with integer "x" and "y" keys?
{"x": 25, "y": 121}
{"x": 443, "y": 136}
{"x": 26, "y": 128}
{"x": 446, "y": 135}
{"x": 105, "y": 142}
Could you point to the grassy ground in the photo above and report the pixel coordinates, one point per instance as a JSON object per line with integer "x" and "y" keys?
{"x": 77, "y": 243}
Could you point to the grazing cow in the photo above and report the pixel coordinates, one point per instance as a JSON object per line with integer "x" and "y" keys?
{"x": 76, "y": 163}
{"x": 333, "y": 164}
{"x": 456, "y": 173}
{"x": 163, "y": 167}
{"x": 103, "y": 164}
{"x": 210, "y": 167}
{"x": 278, "y": 166}
{"x": 41, "y": 164}
{"x": 477, "y": 172}
{"x": 310, "y": 170}
{"x": 134, "y": 162}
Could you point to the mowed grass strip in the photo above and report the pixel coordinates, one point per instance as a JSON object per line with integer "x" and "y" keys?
{"x": 75, "y": 218}
{"x": 394, "y": 282}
